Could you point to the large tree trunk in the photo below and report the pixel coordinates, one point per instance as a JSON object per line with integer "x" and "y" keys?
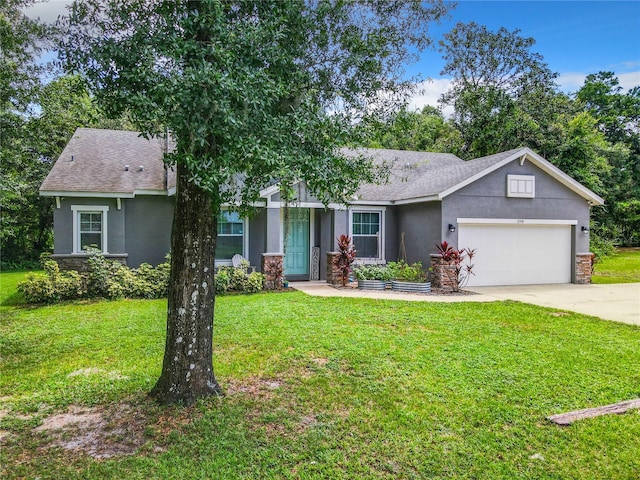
{"x": 187, "y": 370}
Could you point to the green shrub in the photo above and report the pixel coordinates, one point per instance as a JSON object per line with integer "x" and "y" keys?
{"x": 255, "y": 282}
{"x": 52, "y": 286}
{"x": 37, "y": 288}
{"x": 236, "y": 279}
{"x": 373, "y": 272}
{"x": 222, "y": 281}
{"x": 404, "y": 272}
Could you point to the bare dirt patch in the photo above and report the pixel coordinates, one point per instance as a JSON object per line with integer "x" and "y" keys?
{"x": 115, "y": 430}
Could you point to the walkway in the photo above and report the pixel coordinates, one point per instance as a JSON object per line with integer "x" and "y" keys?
{"x": 618, "y": 302}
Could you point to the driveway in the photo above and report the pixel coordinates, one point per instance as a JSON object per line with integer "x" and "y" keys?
{"x": 618, "y": 302}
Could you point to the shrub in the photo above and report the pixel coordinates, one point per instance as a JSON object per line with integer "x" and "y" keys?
{"x": 37, "y": 288}
{"x": 254, "y": 283}
{"x": 404, "y": 272}
{"x": 236, "y": 279}
{"x": 52, "y": 286}
{"x": 222, "y": 281}
{"x": 372, "y": 272}
{"x": 347, "y": 255}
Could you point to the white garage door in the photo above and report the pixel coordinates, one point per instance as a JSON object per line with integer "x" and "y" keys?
{"x": 518, "y": 254}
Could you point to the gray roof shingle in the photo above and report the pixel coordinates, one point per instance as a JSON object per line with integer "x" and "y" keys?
{"x": 423, "y": 174}
{"x": 99, "y": 160}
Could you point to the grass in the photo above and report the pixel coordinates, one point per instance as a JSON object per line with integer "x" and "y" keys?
{"x": 330, "y": 388}
{"x": 621, "y": 267}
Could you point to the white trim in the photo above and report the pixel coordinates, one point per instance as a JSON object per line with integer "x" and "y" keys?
{"x": 281, "y": 205}
{"x": 375, "y": 203}
{"x": 430, "y": 198}
{"x": 58, "y": 202}
{"x": 514, "y": 221}
{"x": 76, "y": 209}
{"x": 381, "y": 233}
{"x": 61, "y": 193}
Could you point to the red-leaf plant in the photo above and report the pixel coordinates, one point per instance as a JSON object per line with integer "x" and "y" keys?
{"x": 347, "y": 255}
{"x": 457, "y": 271}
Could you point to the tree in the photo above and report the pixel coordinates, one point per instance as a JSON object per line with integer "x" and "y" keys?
{"x": 21, "y": 41}
{"x": 253, "y": 93}
{"x": 617, "y": 116}
{"x": 425, "y": 131}
{"x": 501, "y": 91}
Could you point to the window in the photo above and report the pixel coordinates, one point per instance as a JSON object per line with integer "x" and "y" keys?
{"x": 89, "y": 227}
{"x": 231, "y": 230}
{"x": 366, "y": 228}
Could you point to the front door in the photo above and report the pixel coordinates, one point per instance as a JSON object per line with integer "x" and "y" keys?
{"x": 296, "y": 259}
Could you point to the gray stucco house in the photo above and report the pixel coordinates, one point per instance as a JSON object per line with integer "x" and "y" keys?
{"x": 528, "y": 221}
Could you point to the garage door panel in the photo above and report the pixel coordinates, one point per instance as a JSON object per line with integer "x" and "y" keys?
{"x": 511, "y": 254}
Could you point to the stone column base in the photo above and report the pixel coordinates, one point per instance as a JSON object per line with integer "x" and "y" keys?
{"x": 584, "y": 267}
{"x": 273, "y": 269}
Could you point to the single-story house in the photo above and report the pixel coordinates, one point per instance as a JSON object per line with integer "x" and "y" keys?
{"x": 527, "y": 220}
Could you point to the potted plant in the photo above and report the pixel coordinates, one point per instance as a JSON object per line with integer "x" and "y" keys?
{"x": 372, "y": 277}
{"x": 409, "y": 278}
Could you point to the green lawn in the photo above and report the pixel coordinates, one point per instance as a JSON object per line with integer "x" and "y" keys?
{"x": 621, "y": 267}
{"x": 327, "y": 388}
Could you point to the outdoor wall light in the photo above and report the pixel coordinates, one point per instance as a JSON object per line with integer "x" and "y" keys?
{"x": 585, "y": 230}
{"x": 452, "y": 228}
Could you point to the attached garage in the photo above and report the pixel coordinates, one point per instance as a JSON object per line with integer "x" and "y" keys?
{"x": 518, "y": 252}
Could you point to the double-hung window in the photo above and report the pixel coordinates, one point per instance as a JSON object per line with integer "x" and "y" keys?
{"x": 366, "y": 234}
{"x": 231, "y": 236}
{"x": 89, "y": 227}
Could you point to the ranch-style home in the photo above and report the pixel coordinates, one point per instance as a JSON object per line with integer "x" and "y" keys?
{"x": 527, "y": 220}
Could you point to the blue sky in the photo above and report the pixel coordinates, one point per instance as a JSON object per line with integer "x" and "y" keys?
{"x": 574, "y": 37}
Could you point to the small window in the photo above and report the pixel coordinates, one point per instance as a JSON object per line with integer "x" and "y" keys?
{"x": 365, "y": 232}
{"x": 90, "y": 230}
{"x": 89, "y": 227}
{"x": 230, "y": 236}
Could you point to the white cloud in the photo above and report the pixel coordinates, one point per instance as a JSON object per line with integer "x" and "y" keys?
{"x": 48, "y": 12}
{"x": 571, "y": 81}
{"x": 428, "y": 93}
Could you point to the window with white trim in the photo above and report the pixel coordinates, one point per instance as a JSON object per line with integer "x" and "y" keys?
{"x": 231, "y": 236}
{"x": 366, "y": 233}
{"x": 89, "y": 227}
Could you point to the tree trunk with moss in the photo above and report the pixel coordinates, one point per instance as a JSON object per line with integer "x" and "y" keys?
{"x": 187, "y": 370}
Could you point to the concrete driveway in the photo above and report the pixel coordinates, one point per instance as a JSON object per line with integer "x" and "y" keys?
{"x": 619, "y": 302}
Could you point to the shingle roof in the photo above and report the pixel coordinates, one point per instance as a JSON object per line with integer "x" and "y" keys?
{"x": 100, "y": 157}
{"x": 422, "y": 174}
{"x": 99, "y": 164}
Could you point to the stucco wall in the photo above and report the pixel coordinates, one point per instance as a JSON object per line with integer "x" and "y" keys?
{"x": 420, "y": 223}
{"x": 148, "y": 224}
{"x": 257, "y": 237}
{"x": 63, "y": 224}
{"x": 486, "y": 198}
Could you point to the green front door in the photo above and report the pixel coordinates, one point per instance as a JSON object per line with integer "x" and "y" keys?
{"x": 296, "y": 260}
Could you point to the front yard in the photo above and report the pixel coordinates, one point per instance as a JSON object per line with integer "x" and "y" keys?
{"x": 621, "y": 267}
{"x": 319, "y": 388}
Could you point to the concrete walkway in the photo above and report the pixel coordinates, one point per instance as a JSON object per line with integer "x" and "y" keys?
{"x": 618, "y": 302}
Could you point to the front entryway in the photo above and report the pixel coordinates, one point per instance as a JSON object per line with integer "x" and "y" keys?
{"x": 296, "y": 260}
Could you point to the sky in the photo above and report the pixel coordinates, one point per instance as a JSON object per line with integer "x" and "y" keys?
{"x": 575, "y": 38}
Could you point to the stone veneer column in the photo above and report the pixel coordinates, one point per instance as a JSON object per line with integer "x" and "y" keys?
{"x": 584, "y": 263}
{"x": 334, "y": 275}
{"x": 271, "y": 280}
{"x": 439, "y": 278}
